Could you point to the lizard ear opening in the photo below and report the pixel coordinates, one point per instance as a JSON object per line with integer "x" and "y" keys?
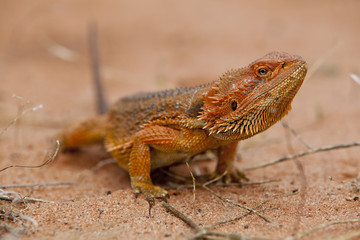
{"x": 234, "y": 105}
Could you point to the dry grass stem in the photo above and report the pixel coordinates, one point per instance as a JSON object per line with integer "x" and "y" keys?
{"x": 321, "y": 226}
{"x": 194, "y": 187}
{"x": 236, "y": 204}
{"x": 355, "y": 77}
{"x": 216, "y": 179}
{"x": 286, "y": 126}
{"x": 103, "y": 163}
{"x": 302, "y": 154}
{"x": 320, "y": 61}
{"x": 348, "y": 236}
{"x": 21, "y": 112}
{"x": 180, "y": 215}
{"x": 245, "y": 214}
{"x": 51, "y": 158}
{"x": 303, "y": 181}
{"x": 22, "y": 200}
{"x": 202, "y": 233}
{"x": 37, "y": 185}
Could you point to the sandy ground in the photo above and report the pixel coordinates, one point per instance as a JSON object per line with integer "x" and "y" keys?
{"x": 152, "y": 45}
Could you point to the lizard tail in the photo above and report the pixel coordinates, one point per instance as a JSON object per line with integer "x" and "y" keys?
{"x": 90, "y": 132}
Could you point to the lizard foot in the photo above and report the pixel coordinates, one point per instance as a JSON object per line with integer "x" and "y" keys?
{"x": 229, "y": 176}
{"x": 150, "y": 192}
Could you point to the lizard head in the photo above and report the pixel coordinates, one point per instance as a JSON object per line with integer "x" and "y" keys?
{"x": 247, "y": 101}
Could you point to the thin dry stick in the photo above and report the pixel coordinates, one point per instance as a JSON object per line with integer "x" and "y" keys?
{"x": 216, "y": 179}
{"x": 36, "y": 185}
{"x": 21, "y": 113}
{"x": 236, "y": 204}
{"x": 194, "y": 185}
{"x": 49, "y": 160}
{"x": 355, "y": 77}
{"x": 247, "y": 183}
{"x": 347, "y": 236}
{"x": 321, "y": 226}
{"x": 200, "y": 232}
{"x": 225, "y": 184}
{"x": 180, "y": 215}
{"x": 303, "y": 182}
{"x": 23, "y": 200}
{"x": 285, "y": 125}
{"x": 203, "y": 233}
{"x": 103, "y": 163}
{"x": 302, "y": 154}
{"x": 236, "y": 218}
{"x": 206, "y": 235}
{"x": 14, "y": 231}
{"x": 321, "y": 60}
{"x": 245, "y": 214}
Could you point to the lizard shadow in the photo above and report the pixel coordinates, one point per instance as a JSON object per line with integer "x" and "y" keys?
{"x": 95, "y": 165}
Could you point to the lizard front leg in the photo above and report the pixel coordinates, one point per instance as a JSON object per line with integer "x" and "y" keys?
{"x": 140, "y": 161}
{"x": 226, "y": 156}
{"x": 139, "y": 171}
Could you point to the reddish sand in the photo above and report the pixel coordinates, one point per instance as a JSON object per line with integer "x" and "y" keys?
{"x": 162, "y": 44}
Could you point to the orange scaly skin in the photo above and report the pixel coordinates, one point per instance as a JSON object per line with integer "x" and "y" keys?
{"x": 152, "y": 130}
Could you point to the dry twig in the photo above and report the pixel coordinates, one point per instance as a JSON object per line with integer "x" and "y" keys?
{"x": 194, "y": 186}
{"x": 302, "y": 154}
{"x": 321, "y": 226}
{"x": 103, "y": 163}
{"x": 36, "y": 185}
{"x": 348, "y": 236}
{"x": 202, "y": 233}
{"x": 182, "y": 216}
{"x": 355, "y": 77}
{"x": 303, "y": 181}
{"x": 286, "y": 126}
{"x": 23, "y": 200}
{"x": 21, "y": 112}
{"x": 243, "y": 215}
{"x": 238, "y": 205}
{"x": 49, "y": 160}
{"x": 220, "y": 184}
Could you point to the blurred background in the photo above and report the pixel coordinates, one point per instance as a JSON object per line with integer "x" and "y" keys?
{"x": 161, "y": 44}
{"x": 151, "y": 45}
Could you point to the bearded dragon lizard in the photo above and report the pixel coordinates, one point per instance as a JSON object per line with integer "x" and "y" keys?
{"x": 146, "y": 131}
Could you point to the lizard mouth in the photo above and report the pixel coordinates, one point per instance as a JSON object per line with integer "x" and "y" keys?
{"x": 264, "y": 110}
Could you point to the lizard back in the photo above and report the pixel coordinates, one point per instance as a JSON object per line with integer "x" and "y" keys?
{"x": 129, "y": 114}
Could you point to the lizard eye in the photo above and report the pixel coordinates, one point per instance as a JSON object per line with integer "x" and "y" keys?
{"x": 234, "y": 105}
{"x": 262, "y": 71}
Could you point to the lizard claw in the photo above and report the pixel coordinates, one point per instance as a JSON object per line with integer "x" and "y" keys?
{"x": 151, "y": 201}
{"x": 136, "y": 191}
{"x": 165, "y": 198}
{"x": 230, "y": 176}
{"x": 150, "y": 192}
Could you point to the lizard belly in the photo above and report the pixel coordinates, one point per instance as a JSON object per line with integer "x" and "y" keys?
{"x": 162, "y": 159}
